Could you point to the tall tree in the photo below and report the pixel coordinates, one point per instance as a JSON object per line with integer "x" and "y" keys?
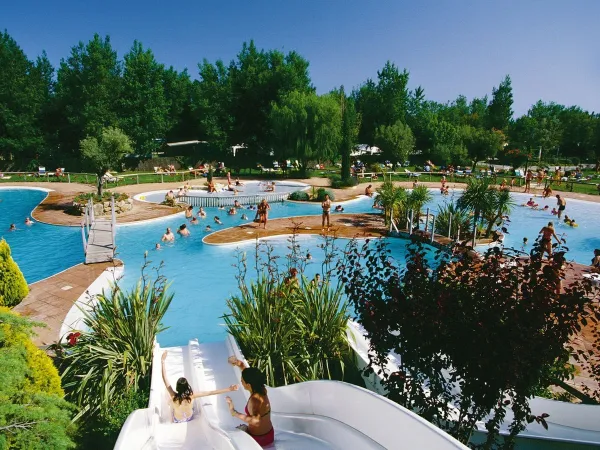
{"x": 500, "y": 108}
{"x": 22, "y": 98}
{"x": 88, "y": 92}
{"x": 482, "y": 144}
{"x": 349, "y": 130}
{"x": 306, "y": 126}
{"x": 143, "y": 108}
{"x": 179, "y": 95}
{"x": 257, "y": 79}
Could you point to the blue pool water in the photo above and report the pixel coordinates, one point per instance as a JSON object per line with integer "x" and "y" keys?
{"x": 40, "y": 250}
{"x": 202, "y": 275}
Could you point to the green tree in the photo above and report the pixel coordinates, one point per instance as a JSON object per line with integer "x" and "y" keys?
{"x": 500, "y": 111}
{"x": 306, "y": 126}
{"x": 13, "y": 287}
{"x": 396, "y": 141}
{"x": 88, "y": 92}
{"x": 33, "y": 413}
{"x": 180, "y": 96}
{"x": 349, "y": 131}
{"x": 22, "y": 99}
{"x": 257, "y": 80}
{"x": 482, "y": 144}
{"x": 383, "y": 103}
{"x": 143, "y": 107}
{"x": 393, "y": 200}
{"x": 106, "y": 152}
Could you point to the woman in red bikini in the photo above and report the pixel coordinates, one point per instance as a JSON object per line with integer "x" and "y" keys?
{"x": 258, "y": 409}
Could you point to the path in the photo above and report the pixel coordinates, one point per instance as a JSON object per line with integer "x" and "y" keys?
{"x": 50, "y": 300}
{"x": 342, "y": 225}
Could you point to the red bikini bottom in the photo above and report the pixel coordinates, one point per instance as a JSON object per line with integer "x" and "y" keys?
{"x": 264, "y": 439}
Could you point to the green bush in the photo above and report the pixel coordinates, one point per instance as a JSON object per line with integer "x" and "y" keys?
{"x": 114, "y": 357}
{"x": 322, "y": 192}
{"x": 106, "y": 196}
{"x": 341, "y": 184}
{"x": 13, "y": 287}
{"x": 30, "y": 391}
{"x": 299, "y": 196}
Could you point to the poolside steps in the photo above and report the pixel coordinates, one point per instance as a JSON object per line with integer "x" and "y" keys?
{"x": 100, "y": 247}
{"x": 216, "y": 200}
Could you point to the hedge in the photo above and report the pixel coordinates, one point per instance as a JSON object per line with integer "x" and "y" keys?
{"x": 300, "y": 196}
{"x": 322, "y": 192}
{"x": 13, "y": 287}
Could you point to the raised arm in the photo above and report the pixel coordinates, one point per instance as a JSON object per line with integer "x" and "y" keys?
{"x": 233, "y": 387}
{"x": 253, "y": 407}
{"x": 164, "y": 376}
{"x": 236, "y": 362}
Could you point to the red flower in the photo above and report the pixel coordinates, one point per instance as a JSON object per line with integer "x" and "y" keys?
{"x": 72, "y": 338}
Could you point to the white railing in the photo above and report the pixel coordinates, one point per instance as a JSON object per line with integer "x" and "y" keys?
{"x": 208, "y": 201}
{"x": 89, "y": 218}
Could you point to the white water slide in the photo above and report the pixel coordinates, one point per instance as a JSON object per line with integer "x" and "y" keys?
{"x": 312, "y": 415}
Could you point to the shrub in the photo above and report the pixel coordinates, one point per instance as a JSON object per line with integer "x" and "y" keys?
{"x": 299, "y": 196}
{"x": 106, "y": 196}
{"x": 341, "y": 184}
{"x": 292, "y": 329}
{"x": 114, "y": 357}
{"x": 13, "y": 287}
{"x": 321, "y": 193}
{"x": 33, "y": 414}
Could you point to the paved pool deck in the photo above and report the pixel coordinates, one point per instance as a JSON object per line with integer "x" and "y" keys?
{"x": 50, "y": 300}
{"x": 53, "y": 209}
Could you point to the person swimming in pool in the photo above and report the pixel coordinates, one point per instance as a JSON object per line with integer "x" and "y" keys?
{"x": 182, "y": 397}
{"x": 208, "y": 228}
{"x": 183, "y": 231}
{"x": 244, "y": 217}
{"x": 201, "y": 212}
{"x": 194, "y": 221}
{"x": 257, "y": 415}
{"x": 217, "y": 220}
{"x": 28, "y": 221}
{"x": 12, "y": 227}
{"x": 168, "y": 236}
{"x": 189, "y": 212}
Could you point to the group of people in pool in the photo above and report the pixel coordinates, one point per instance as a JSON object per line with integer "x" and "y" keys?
{"x": 28, "y": 222}
{"x": 256, "y": 417}
{"x": 561, "y": 203}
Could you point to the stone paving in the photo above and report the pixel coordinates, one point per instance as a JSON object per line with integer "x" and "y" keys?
{"x": 50, "y": 300}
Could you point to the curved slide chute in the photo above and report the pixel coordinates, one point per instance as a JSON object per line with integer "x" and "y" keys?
{"x": 312, "y": 415}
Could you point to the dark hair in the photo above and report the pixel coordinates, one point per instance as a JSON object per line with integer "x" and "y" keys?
{"x": 255, "y": 379}
{"x": 183, "y": 391}
{"x": 182, "y": 227}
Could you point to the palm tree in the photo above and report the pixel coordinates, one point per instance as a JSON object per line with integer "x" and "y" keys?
{"x": 501, "y": 206}
{"x": 418, "y": 197}
{"x": 460, "y": 219}
{"x": 478, "y": 197}
{"x": 392, "y": 199}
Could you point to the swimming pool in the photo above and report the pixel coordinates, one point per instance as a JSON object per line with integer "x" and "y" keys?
{"x": 202, "y": 275}
{"x": 249, "y": 188}
{"x": 40, "y": 250}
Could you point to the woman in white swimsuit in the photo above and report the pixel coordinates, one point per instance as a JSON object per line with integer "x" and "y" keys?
{"x": 182, "y": 398}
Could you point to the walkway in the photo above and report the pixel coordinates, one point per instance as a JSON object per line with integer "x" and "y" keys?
{"x": 50, "y": 300}
{"x": 100, "y": 246}
{"x": 342, "y": 225}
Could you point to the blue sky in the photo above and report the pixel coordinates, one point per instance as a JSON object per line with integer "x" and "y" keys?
{"x": 550, "y": 48}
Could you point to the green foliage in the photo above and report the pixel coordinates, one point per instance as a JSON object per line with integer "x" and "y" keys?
{"x": 293, "y": 330}
{"x": 393, "y": 200}
{"x": 143, "y": 105}
{"x": 336, "y": 183}
{"x": 510, "y": 310}
{"x": 482, "y": 144}
{"x": 306, "y": 126}
{"x": 499, "y": 113}
{"x": 33, "y": 413}
{"x": 106, "y": 196}
{"x": 13, "y": 287}
{"x": 321, "y": 193}
{"x": 450, "y": 215}
{"x": 114, "y": 357}
{"x": 396, "y": 141}
{"x": 106, "y": 152}
{"x": 102, "y": 431}
{"x": 299, "y": 196}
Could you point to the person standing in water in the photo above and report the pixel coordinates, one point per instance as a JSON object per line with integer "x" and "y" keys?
{"x": 546, "y": 242}
{"x": 326, "y": 205}
{"x": 562, "y": 204}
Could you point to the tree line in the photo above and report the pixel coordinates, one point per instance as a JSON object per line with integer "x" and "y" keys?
{"x": 265, "y": 100}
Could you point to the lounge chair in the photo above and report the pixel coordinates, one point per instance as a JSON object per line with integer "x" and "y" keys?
{"x": 412, "y": 174}
{"x": 41, "y": 171}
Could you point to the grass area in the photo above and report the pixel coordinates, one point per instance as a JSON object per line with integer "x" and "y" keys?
{"x": 129, "y": 178}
